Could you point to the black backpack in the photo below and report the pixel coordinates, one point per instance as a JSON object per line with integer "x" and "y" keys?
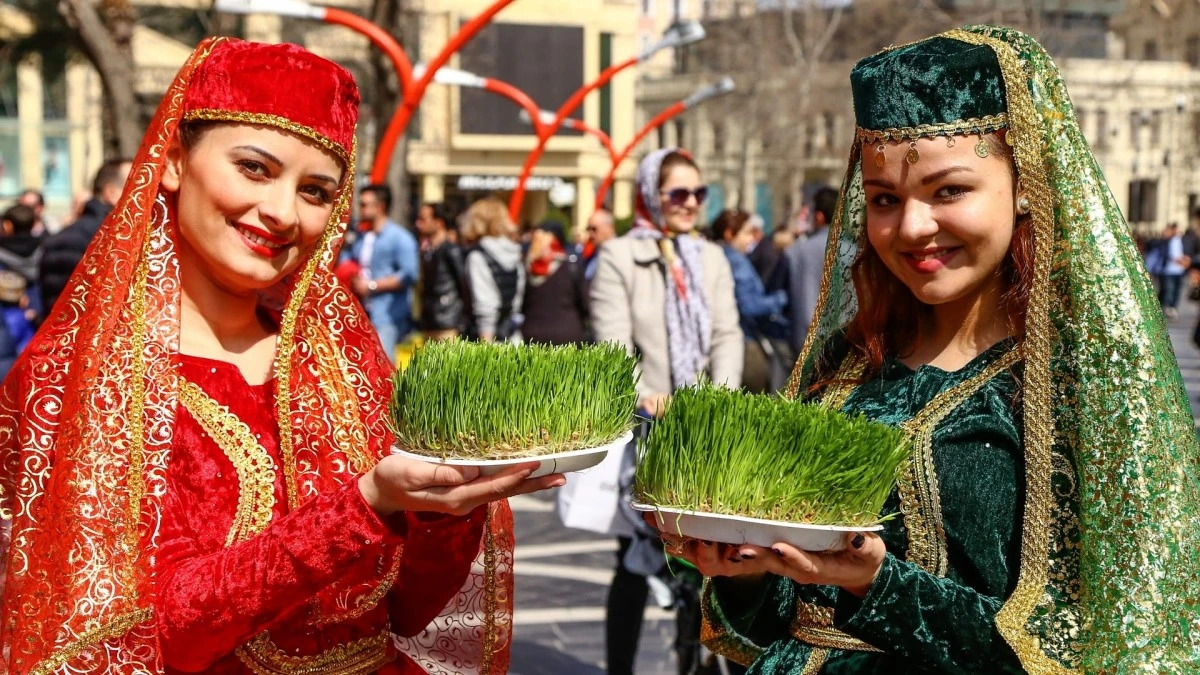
{"x": 507, "y": 281}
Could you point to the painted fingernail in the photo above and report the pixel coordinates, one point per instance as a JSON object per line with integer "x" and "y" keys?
{"x": 858, "y": 540}
{"x": 747, "y": 556}
{"x": 777, "y": 552}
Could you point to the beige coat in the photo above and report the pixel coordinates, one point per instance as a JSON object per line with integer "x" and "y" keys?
{"x": 629, "y": 306}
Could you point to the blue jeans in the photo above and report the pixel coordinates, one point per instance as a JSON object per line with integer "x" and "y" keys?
{"x": 1169, "y": 286}
{"x": 390, "y": 335}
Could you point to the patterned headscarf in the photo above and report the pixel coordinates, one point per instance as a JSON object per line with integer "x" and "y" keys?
{"x": 88, "y": 415}
{"x": 689, "y": 325}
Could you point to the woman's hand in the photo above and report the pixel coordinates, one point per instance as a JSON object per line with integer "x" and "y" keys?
{"x": 854, "y": 568}
{"x": 654, "y": 404}
{"x": 402, "y": 484}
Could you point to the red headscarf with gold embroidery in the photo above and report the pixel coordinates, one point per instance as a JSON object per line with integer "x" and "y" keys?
{"x": 87, "y": 415}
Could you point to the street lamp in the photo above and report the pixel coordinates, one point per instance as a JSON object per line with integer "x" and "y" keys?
{"x": 460, "y": 78}
{"x": 676, "y": 36}
{"x": 546, "y": 118}
{"x": 413, "y": 88}
{"x": 706, "y": 93}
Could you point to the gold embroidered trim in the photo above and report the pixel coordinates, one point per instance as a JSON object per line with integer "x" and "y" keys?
{"x": 849, "y": 374}
{"x": 367, "y": 655}
{"x": 286, "y": 343}
{"x": 813, "y": 624}
{"x": 972, "y": 125}
{"x": 254, "y": 466}
{"x": 490, "y": 601}
{"x": 214, "y": 115}
{"x": 921, "y": 502}
{"x": 136, "y": 478}
{"x": 120, "y": 625}
{"x": 816, "y": 660}
{"x": 1039, "y": 425}
{"x": 713, "y": 633}
{"x": 366, "y": 603}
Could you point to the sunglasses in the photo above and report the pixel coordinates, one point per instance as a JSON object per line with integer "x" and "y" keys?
{"x": 679, "y": 196}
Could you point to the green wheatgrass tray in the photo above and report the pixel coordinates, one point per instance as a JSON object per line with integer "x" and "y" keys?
{"x": 491, "y": 405}
{"x": 739, "y": 468}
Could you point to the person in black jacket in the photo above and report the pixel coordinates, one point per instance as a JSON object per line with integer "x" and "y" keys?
{"x": 63, "y": 251}
{"x": 445, "y": 291}
{"x": 555, "y": 308}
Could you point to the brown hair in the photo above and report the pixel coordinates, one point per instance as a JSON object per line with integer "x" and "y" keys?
{"x": 729, "y": 223}
{"x": 672, "y": 160}
{"x": 884, "y": 325}
{"x": 487, "y": 217}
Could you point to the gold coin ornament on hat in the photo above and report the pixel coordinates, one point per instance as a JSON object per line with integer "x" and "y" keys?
{"x": 880, "y": 159}
{"x": 912, "y": 156}
{"x": 982, "y": 148}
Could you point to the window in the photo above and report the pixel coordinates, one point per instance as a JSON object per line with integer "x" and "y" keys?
{"x": 1081, "y": 119}
{"x": 1150, "y": 50}
{"x": 661, "y": 132}
{"x": 1155, "y": 128}
{"x": 1101, "y": 128}
{"x": 606, "y": 90}
{"x": 831, "y": 139}
{"x": 718, "y": 139}
{"x": 1135, "y": 124}
{"x": 1191, "y": 51}
{"x": 680, "y": 128}
{"x": 1143, "y": 201}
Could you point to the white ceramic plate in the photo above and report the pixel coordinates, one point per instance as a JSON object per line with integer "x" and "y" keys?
{"x": 561, "y": 462}
{"x": 755, "y": 531}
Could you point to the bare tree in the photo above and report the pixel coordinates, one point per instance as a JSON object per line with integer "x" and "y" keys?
{"x": 106, "y": 37}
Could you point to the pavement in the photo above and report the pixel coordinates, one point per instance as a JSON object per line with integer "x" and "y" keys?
{"x": 563, "y": 575}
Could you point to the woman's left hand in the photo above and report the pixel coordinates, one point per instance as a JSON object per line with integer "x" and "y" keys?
{"x": 854, "y": 568}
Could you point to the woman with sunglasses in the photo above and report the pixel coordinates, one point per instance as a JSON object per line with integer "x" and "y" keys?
{"x": 666, "y": 294}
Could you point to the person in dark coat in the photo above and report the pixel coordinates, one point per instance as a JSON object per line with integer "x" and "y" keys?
{"x": 555, "y": 301}
{"x": 63, "y": 251}
{"x": 445, "y": 288}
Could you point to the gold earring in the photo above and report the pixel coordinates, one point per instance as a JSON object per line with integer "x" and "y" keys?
{"x": 982, "y": 148}
{"x": 880, "y": 160}
{"x": 912, "y": 156}
{"x": 1023, "y": 206}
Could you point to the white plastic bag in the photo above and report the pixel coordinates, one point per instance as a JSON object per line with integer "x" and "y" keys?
{"x": 589, "y": 500}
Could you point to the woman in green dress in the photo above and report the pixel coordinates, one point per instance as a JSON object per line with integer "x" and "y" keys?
{"x": 983, "y": 294}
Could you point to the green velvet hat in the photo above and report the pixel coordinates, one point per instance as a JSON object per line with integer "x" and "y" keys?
{"x": 935, "y": 87}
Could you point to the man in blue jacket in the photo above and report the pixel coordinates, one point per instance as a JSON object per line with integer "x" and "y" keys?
{"x": 389, "y": 258}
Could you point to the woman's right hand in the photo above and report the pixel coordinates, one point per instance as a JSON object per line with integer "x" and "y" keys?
{"x": 402, "y": 484}
{"x": 654, "y": 404}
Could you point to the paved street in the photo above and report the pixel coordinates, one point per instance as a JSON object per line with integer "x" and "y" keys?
{"x": 563, "y": 575}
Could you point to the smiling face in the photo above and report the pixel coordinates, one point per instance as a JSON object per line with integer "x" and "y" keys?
{"x": 944, "y": 225}
{"x": 252, "y": 203}
{"x": 680, "y": 216}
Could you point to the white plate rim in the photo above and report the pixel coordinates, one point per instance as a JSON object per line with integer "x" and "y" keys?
{"x": 649, "y": 508}
{"x": 622, "y": 440}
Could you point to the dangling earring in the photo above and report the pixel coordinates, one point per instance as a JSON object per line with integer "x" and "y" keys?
{"x": 912, "y": 156}
{"x": 1023, "y": 206}
{"x": 880, "y": 160}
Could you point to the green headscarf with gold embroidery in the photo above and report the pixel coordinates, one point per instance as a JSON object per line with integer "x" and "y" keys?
{"x": 1110, "y": 548}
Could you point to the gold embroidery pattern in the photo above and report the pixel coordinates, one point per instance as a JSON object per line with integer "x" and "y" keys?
{"x": 713, "y": 633}
{"x": 489, "y": 594}
{"x": 361, "y": 656}
{"x": 848, "y": 376}
{"x": 921, "y": 502}
{"x": 367, "y": 602}
{"x": 212, "y": 115}
{"x": 813, "y": 624}
{"x": 1039, "y": 425}
{"x": 119, "y": 626}
{"x": 254, "y": 466}
{"x": 287, "y": 335}
{"x": 816, "y": 660}
{"x": 972, "y": 125}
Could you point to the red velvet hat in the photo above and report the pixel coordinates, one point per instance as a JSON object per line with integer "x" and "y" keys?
{"x": 279, "y": 85}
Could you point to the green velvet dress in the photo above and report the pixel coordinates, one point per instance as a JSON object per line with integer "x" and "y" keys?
{"x": 953, "y": 546}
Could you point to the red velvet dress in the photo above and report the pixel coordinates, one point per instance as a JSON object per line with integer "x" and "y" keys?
{"x": 232, "y": 602}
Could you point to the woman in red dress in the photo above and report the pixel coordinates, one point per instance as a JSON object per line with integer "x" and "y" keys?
{"x": 194, "y": 449}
